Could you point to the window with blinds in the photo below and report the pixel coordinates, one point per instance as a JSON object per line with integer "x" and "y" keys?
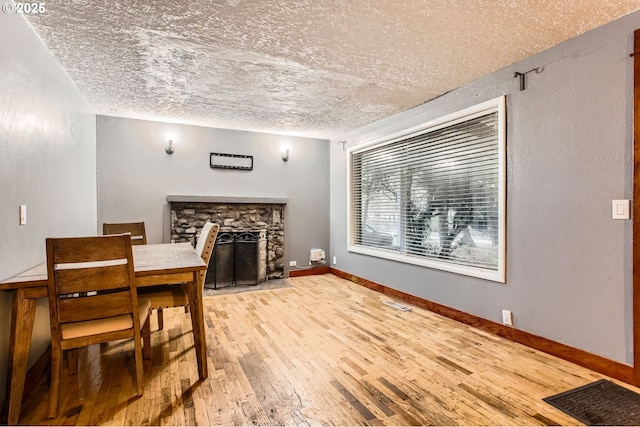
{"x": 434, "y": 196}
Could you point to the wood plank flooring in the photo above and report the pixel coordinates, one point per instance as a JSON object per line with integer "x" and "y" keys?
{"x": 323, "y": 351}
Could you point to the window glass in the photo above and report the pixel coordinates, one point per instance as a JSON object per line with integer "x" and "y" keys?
{"x": 434, "y": 196}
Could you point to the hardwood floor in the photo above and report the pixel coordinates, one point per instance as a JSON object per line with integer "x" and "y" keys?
{"x": 323, "y": 351}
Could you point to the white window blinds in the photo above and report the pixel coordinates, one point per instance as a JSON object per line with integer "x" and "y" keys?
{"x": 434, "y": 195}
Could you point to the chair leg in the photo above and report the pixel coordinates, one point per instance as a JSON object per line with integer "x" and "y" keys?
{"x": 139, "y": 369}
{"x": 146, "y": 339}
{"x": 186, "y": 308}
{"x": 160, "y": 320}
{"x": 72, "y": 361}
{"x": 56, "y": 367}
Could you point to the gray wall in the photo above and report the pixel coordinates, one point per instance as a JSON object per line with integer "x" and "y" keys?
{"x": 47, "y": 162}
{"x": 569, "y": 153}
{"x": 135, "y": 175}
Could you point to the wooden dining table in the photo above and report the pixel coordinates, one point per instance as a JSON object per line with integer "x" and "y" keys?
{"x": 155, "y": 264}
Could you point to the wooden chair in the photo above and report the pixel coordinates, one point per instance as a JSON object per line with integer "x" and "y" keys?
{"x": 100, "y": 270}
{"x": 138, "y": 234}
{"x": 176, "y": 295}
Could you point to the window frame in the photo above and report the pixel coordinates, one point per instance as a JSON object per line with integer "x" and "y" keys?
{"x": 499, "y": 275}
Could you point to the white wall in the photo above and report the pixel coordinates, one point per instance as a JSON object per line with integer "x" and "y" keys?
{"x": 135, "y": 175}
{"x": 47, "y": 162}
{"x": 569, "y": 153}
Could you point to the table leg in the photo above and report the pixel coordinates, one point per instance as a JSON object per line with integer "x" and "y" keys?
{"x": 22, "y": 319}
{"x": 197, "y": 324}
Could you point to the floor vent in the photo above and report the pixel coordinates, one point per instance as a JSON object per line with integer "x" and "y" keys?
{"x": 397, "y": 305}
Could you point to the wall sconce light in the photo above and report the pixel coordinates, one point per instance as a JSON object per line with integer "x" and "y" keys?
{"x": 285, "y": 154}
{"x": 169, "y": 148}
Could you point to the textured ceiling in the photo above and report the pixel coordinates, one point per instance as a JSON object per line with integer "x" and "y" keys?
{"x": 313, "y": 68}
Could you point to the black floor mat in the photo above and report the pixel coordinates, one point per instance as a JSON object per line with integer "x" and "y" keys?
{"x": 601, "y": 403}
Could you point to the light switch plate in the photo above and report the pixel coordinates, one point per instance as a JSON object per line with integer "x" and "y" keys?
{"x": 620, "y": 209}
{"x": 23, "y": 214}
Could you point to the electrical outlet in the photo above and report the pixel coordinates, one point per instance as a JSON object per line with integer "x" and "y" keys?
{"x": 507, "y": 318}
{"x": 335, "y": 260}
{"x": 292, "y": 263}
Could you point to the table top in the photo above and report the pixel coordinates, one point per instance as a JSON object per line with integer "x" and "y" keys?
{"x": 148, "y": 260}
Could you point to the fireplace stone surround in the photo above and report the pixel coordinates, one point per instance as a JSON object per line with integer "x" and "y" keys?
{"x": 189, "y": 213}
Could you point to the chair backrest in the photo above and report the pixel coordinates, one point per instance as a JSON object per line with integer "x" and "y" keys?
{"x": 81, "y": 265}
{"x": 136, "y": 229}
{"x": 205, "y": 244}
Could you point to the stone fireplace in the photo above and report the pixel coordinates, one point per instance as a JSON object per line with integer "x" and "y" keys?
{"x": 263, "y": 217}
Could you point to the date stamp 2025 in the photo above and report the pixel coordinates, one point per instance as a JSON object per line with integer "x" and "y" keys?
{"x": 24, "y": 8}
